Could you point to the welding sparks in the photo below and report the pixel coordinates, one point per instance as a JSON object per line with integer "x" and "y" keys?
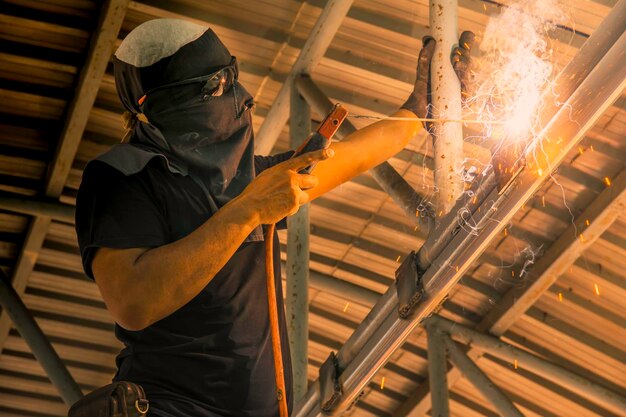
{"x": 515, "y": 364}
{"x": 382, "y": 384}
{"x": 607, "y": 181}
{"x": 346, "y": 307}
{"x": 516, "y": 71}
{"x": 561, "y": 297}
{"x": 597, "y": 289}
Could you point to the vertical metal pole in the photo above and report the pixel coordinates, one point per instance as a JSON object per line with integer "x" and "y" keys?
{"x": 478, "y": 378}
{"x": 446, "y": 100}
{"x": 437, "y": 372}
{"x": 38, "y": 342}
{"x": 298, "y": 259}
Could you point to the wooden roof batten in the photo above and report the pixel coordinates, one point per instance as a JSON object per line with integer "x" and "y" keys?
{"x": 98, "y": 56}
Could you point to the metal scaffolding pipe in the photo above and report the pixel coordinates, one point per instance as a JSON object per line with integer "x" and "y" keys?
{"x": 38, "y": 342}
{"x": 585, "y": 105}
{"x": 581, "y": 386}
{"x": 384, "y": 174}
{"x": 297, "y": 294}
{"x": 446, "y": 104}
{"x": 481, "y": 381}
{"x": 312, "y": 52}
{"x": 37, "y": 207}
{"x": 354, "y": 293}
{"x": 437, "y": 372}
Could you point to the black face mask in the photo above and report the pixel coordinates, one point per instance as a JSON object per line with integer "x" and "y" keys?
{"x": 212, "y": 135}
{"x": 198, "y": 114}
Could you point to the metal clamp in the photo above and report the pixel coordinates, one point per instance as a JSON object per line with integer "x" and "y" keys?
{"x": 409, "y": 286}
{"x": 330, "y": 387}
{"x": 507, "y": 165}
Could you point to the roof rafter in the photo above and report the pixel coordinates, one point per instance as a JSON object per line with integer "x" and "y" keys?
{"x": 103, "y": 40}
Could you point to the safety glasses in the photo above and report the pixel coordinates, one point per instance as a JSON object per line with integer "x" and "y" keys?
{"x": 215, "y": 84}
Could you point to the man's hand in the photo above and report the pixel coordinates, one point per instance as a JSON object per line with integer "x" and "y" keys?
{"x": 461, "y": 60}
{"x": 419, "y": 101}
{"x": 279, "y": 191}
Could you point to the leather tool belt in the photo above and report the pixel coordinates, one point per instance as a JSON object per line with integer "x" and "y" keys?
{"x": 119, "y": 399}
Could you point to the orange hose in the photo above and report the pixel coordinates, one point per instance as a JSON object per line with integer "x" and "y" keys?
{"x": 279, "y": 371}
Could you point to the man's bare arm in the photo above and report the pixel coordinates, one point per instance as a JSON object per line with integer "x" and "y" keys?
{"x": 141, "y": 286}
{"x": 363, "y": 150}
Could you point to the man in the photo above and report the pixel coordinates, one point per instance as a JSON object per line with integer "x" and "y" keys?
{"x": 170, "y": 224}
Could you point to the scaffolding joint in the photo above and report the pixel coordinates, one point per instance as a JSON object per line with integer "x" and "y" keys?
{"x": 409, "y": 285}
{"x": 331, "y": 390}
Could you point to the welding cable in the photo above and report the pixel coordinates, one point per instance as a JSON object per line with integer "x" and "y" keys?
{"x": 279, "y": 371}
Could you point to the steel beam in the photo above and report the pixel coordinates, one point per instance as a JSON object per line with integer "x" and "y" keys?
{"x": 312, "y": 52}
{"x": 595, "y": 393}
{"x": 413, "y": 204}
{"x": 38, "y": 342}
{"x": 480, "y": 380}
{"x": 437, "y": 369}
{"x": 446, "y": 104}
{"x": 603, "y": 84}
{"x": 297, "y": 297}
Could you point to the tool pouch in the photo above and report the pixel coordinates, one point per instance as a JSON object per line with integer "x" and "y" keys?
{"x": 119, "y": 399}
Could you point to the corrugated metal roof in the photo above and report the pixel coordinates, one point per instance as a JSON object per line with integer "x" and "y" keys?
{"x": 358, "y": 233}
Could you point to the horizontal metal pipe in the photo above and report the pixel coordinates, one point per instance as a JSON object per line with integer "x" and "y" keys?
{"x": 37, "y": 207}
{"x": 480, "y": 380}
{"x": 354, "y": 293}
{"x": 38, "y": 342}
{"x": 502, "y": 350}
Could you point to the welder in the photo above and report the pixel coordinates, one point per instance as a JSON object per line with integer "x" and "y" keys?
{"x": 170, "y": 223}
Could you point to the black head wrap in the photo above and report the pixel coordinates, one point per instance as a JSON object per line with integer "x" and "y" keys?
{"x": 208, "y": 137}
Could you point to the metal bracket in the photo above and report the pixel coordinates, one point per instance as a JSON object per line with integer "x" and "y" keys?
{"x": 409, "y": 286}
{"x": 330, "y": 387}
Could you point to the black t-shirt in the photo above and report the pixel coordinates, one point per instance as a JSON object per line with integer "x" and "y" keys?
{"x": 213, "y": 356}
